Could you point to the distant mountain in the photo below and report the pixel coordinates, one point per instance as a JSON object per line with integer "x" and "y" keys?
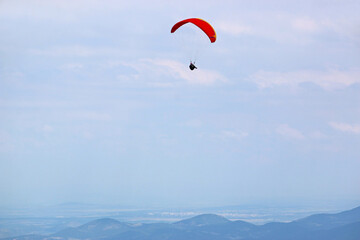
{"x": 280, "y": 231}
{"x": 26, "y": 237}
{"x": 94, "y": 229}
{"x": 203, "y": 220}
{"x": 328, "y": 221}
{"x": 230, "y": 230}
{"x": 340, "y": 226}
{"x": 347, "y": 232}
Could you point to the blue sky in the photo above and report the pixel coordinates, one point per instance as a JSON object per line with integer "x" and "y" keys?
{"x": 98, "y": 105}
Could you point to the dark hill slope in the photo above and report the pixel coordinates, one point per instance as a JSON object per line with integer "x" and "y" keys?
{"x": 340, "y": 226}
{"x": 328, "y": 221}
{"x": 203, "y": 220}
{"x": 94, "y": 229}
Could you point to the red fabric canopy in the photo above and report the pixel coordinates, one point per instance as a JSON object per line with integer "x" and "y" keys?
{"x": 203, "y": 25}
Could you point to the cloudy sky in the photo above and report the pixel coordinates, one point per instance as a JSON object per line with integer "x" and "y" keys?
{"x": 98, "y": 105}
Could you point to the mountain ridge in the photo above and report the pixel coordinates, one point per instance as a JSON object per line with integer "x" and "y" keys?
{"x": 338, "y": 226}
{"x": 203, "y": 220}
{"x": 330, "y": 220}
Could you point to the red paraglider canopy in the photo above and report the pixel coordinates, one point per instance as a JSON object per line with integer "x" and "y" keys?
{"x": 203, "y": 25}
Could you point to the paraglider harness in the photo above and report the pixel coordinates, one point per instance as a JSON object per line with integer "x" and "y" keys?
{"x": 192, "y": 66}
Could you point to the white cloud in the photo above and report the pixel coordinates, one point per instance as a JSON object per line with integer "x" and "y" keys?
{"x": 157, "y": 68}
{"x": 329, "y": 80}
{"x": 292, "y": 27}
{"x": 305, "y": 25}
{"x": 72, "y": 66}
{"x": 89, "y": 115}
{"x": 341, "y": 26}
{"x": 290, "y": 132}
{"x": 59, "y": 10}
{"x": 31, "y": 104}
{"x": 318, "y": 135}
{"x": 193, "y": 123}
{"x": 345, "y": 127}
{"x": 233, "y": 28}
{"x": 47, "y": 128}
{"x": 75, "y": 51}
{"x": 87, "y": 135}
{"x": 237, "y": 135}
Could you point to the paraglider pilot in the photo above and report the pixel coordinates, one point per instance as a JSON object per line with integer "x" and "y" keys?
{"x": 192, "y": 66}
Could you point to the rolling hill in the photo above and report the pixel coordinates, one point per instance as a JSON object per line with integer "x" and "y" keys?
{"x": 339, "y": 226}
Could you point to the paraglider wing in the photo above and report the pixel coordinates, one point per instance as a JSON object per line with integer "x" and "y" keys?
{"x": 203, "y": 25}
